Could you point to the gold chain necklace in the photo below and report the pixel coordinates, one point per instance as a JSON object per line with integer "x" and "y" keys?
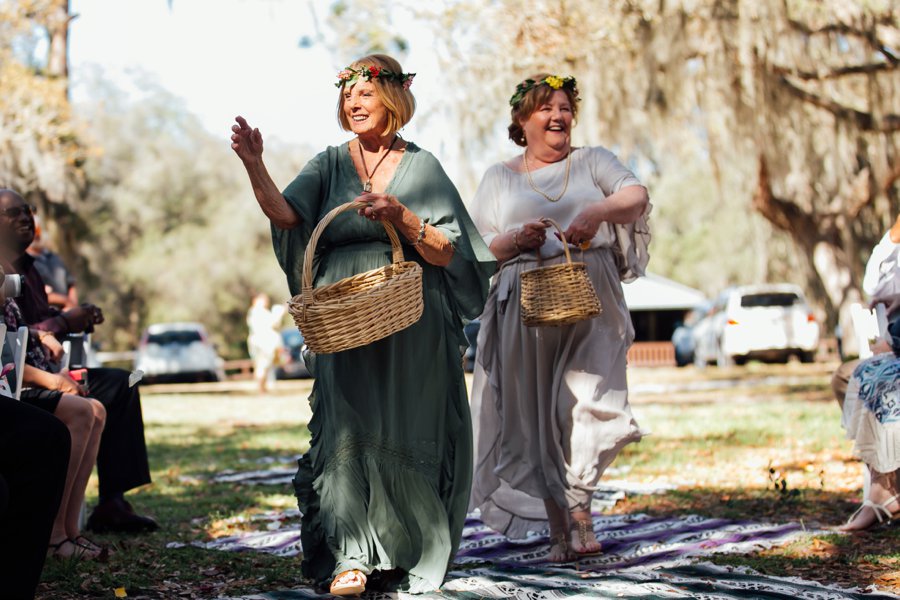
{"x": 534, "y": 187}
{"x": 367, "y": 186}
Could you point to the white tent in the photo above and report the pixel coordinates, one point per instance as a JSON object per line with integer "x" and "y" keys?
{"x": 653, "y": 292}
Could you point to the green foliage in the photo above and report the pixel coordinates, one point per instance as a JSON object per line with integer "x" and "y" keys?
{"x": 176, "y": 233}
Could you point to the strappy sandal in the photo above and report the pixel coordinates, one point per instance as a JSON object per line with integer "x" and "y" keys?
{"x": 79, "y": 553}
{"x": 880, "y": 510}
{"x": 101, "y": 553}
{"x": 583, "y": 530}
{"x": 348, "y": 583}
{"x": 559, "y": 550}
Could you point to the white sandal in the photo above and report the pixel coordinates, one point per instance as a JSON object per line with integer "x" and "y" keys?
{"x": 880, "y": 510}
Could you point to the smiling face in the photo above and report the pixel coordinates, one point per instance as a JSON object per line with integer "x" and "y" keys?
{"x": 365, "y": 112}
{"x": 16, "y": 224}
{"x": 550, "y": 125}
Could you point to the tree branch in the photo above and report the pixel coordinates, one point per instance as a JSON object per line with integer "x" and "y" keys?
{"x": 781, "y": 213}
{"x": 882, "y": 19}
{"x": 834, "y": 73}
{"x": 885, "y": 19}
{"x": 891, "y": 179}
{"x": 888, "y": 53}
{"x": 863, "y": 120}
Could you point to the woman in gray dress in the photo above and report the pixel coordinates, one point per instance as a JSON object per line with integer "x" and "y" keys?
{"x": 550, "y": 404}
{"x": 384, "y": 486}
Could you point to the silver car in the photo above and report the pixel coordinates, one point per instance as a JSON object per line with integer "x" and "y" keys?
{"x": 178, "y": 352}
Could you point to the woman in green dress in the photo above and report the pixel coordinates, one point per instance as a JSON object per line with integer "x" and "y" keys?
{"x": 384, "y": 487}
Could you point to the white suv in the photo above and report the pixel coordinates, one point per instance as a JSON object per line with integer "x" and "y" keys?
{"x": 767, "y": 321}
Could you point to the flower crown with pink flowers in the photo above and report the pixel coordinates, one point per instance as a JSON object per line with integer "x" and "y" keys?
{"x": 349, "y": 76}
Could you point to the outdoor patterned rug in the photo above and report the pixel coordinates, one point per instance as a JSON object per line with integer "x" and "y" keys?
{"x": 644, "y": 557}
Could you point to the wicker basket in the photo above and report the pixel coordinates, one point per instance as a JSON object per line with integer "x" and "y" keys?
{"x": 559, "y": 294}
{"x": 361, "y": 309}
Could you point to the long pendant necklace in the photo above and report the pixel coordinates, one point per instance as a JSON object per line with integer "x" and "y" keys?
{"x": 534, "y": 187}
{"x": 367, "y": 186}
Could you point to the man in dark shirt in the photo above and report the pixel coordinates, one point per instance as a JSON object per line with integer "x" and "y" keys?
{"x": 58, "y": 279}
{"x": 122, "y": 458}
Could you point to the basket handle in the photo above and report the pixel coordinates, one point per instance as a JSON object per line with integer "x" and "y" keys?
{"x": 549, "y": 221}
{"x": 306, "y": 282}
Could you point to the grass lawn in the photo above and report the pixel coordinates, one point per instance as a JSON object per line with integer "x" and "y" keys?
{"x": 773, "y": 451}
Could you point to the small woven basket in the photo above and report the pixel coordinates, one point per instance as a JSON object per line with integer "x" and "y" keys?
{"x": 559, "y": 294}
{"x": 361, "y": 309}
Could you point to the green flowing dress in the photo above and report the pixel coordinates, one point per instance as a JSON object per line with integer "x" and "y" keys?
{"x": 386, "y": 481}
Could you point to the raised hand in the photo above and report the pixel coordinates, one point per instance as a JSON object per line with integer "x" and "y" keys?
{"x": 246, "y": 142}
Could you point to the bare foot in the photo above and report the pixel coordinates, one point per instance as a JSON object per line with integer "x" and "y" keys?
{"x": 582, "y": 538}
{"x": 67, "y": 548}
{"x": 871, "y": 513}
{"x": 559, "y": 550}
{"x": 349, "y": 583}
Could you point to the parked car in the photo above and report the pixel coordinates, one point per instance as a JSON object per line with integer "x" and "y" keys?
{"x": 178, "y": 352}
{"x": 290, "y": 362}
{"x": 766, "y": 321}
{"x": 683, "y": 336}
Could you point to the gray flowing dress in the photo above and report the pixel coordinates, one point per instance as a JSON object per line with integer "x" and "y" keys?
{"x": 550, "y": 404}
{"x": 386, "y": 480}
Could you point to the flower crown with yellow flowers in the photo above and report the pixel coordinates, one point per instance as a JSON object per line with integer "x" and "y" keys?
{"x": 554, "y": 81}
{"x": 349, "y": 76}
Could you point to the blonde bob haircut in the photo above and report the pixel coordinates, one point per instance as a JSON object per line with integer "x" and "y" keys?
{"x": 533, "y": 100}
{"x": 399, "y": 102}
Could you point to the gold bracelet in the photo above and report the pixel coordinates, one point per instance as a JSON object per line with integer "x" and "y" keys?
{"x": 516, "y": 241}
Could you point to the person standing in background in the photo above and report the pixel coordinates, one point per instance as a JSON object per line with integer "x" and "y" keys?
{"x": 264, "y": 338}
{"x": 59, "y": 282}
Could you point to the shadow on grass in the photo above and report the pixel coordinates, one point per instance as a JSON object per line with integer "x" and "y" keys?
{"x": 860, "y": 559}
{"x": 188, "y": 505}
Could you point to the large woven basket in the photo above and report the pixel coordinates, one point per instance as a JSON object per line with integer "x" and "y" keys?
{"x": 361, "y": 309}
{"x": 559, "y": 294}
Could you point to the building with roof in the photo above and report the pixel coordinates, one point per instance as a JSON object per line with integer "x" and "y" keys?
{"x": 657, "y": 306}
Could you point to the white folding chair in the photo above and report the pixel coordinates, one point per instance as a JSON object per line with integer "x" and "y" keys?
{"x": 20, "y": 341}
{"x": 869, "y": 326}
{"x": 17, "y": 342}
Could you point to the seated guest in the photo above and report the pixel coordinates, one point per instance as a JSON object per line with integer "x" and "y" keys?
{"x": 871, "y": 418}
{"x": 59, "y": 395}
{"x": 122, "y": 457}
{"x": 881, "y": 284}
{"x": 34, "y": 455}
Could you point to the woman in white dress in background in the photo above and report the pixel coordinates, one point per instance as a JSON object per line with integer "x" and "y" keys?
{"x": 264, "y": 338}
{"x": 550, "y": 404}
